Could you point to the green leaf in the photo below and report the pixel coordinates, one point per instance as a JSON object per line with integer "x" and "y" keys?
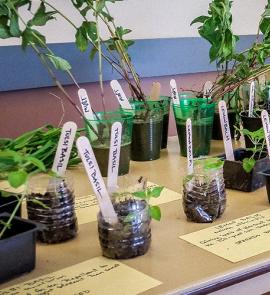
{"x": 155, "y": 191}
{"x": 4, "y": 32}
{"x": 59, "y": 63}
{"x": 32, "y": 36}
{"x": 100, "y": 5}
{"x": 248, "y": 164}
{"x": 17, "y": 178}
{"x": 14, "y": 26}
{"x": 141, "y": 194}
{"x": 81, "y": 39}
{"x": 199, "y": 19}
{"x": 41, "y": 17}
{"x": 155, "y": 212}
{"x": 93, "y": 53}
{"x": 36, "y": 162}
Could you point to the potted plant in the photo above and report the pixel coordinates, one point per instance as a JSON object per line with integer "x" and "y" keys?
{"x": 234, "y": 68}
{"x": 131, "y": 235}
{"x": 242, "y": 174}
{"x": 204, "y": 196}
{"x": 17, "y": 234}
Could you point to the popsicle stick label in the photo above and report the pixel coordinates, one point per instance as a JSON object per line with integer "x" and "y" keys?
{"x": 189, "y": 146}
{"x": 64, "y": 148}
{"x": 120, "y": 95}
{"x": 226, "y": 132}
{"x": 114, "y": 156}
{"x": 95, "y": 178}
{"x": 85, "y": 104}
{"x": 266, "y": 128}
{"x": 174, "y": 92}
{"x": 207, "y": 88}
{"x": 155, "y": 91}
{"x": 251, "y": 99}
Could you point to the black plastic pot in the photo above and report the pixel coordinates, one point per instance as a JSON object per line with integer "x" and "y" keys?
{"x": 237, "y": 178}
{"x": 252, "y": 124}
{"x": 8, "y": 204}
{"x": 217, "y": 132}
{"x": 266, "y": 174}
{"x": 17, "y": 248}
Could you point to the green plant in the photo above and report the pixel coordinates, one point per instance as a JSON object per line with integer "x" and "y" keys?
{"x": 258, "y": 140}
{"x": 234, "y": 68}
{"x": 147, "y": 194}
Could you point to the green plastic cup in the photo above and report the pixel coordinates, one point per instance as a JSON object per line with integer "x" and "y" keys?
{"x": 100, "y": 140}
{"x": 147, "y": 130}
{"x": 201, "y": 112}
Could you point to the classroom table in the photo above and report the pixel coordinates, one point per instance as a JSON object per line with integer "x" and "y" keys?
{"x": 181, "y": 267}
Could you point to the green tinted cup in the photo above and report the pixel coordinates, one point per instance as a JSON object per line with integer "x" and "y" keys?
{"x": 147, "y": 130}
{"x": 201, "y": 113}
{"x": 100, "y": 140}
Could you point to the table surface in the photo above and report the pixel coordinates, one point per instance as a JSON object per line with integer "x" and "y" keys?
{"x": 182, "y": 267}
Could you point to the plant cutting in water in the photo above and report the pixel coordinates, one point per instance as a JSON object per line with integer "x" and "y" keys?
{"x": 234, "y": 68}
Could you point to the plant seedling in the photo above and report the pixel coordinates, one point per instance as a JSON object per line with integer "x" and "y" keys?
{"x": 147, "y": 194}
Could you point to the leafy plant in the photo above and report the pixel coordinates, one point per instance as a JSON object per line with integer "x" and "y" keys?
{"x": 235, "y": 68}
{"x": 147, "y": 194}
{"x": 258, "y": 140}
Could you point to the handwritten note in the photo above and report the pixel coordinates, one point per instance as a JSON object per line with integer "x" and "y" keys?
{"x": 87, "y": 207}
{"x": 235, "y": 240}
{"x": 97, "y": 276}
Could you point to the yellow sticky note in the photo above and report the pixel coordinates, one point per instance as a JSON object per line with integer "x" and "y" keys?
{"x": 97, "y": 276}
{"x": 237, "y": 239}
{"x": 87, "y": 208}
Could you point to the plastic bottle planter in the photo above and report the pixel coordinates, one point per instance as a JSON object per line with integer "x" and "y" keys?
{"x": 59, "y": 215}
{"x": 202, "y": 115}
{"x": 204, "y": 196}
{"x": 101, "y": 143}
{"x": 237, "y": 178}
{"x": 251, "y": 124}
{"x": 8, "y": 204}
{"x": 17, "y": 248}
{"x": 147, "y": 130}
{"x": 131, "y": 235}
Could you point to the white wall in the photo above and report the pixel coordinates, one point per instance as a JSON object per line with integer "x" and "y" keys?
{"x": 155, "y": 18}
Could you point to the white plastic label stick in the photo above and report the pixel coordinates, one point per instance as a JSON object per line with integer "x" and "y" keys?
{"x": 189, "y": 146}
{"x": 64, "y": 148}
{"x": 207, "y": 89}
{"x": 96, "y": 180}
{"x": 266, "y": 128}
{"x": 114, "y": 156}
{"x": 174, "y": 92}
{"x": 251, "y": 99}
{"x": 85, "y": 103}
{"x": 226, "y": 132}
{"x": 120, "y": 95}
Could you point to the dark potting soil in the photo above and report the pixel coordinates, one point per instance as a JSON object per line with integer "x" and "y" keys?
{"x": 165, "y": 127}
{"x": 201, "y": 136}
{"x": 129, "y": 237}
{"x": 59, "y": 218}
{"x": 102, "y": 156}
{"x": 146, "y": 140}
{"x": 205, "y": 202}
